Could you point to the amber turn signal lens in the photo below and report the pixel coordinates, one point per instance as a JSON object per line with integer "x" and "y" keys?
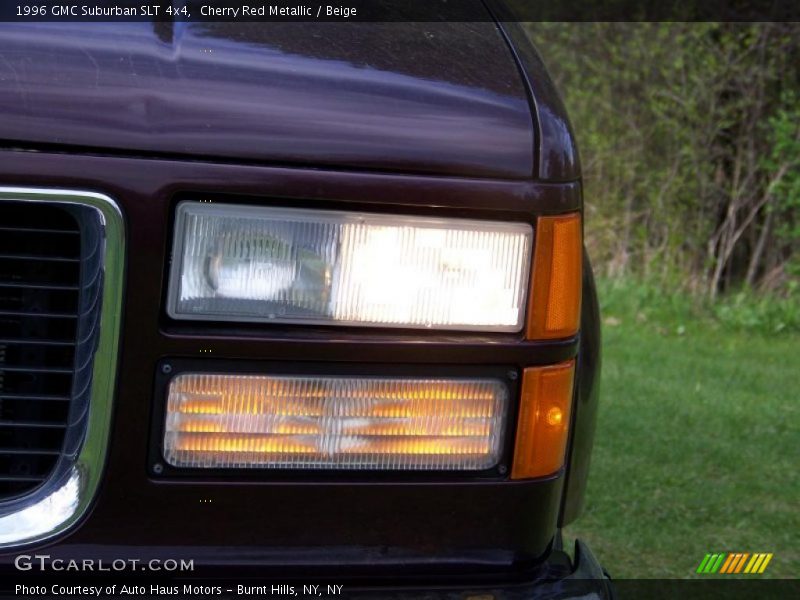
{"x": 543, "y": 423}
{"x": 556, "y": 283}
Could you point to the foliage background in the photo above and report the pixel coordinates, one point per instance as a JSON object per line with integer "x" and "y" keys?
{"x": 690, "y": 145}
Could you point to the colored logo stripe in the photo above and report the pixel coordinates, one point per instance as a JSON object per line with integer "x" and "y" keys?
{"x": 727, "y": 565}
{"x": 711, "y": 563}
{"x": 758, "y": 563}
{"x": 735, "y": 562}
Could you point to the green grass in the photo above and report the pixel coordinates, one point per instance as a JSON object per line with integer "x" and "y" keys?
{"x": 698, "y": 445}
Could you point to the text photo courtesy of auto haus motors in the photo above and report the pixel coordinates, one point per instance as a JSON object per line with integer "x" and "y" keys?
{"x": 304, "y": 300}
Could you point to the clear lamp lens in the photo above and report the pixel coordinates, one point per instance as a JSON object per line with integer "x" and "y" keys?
{"x": 301, "y": 266}
{"x": 255, "y": 421}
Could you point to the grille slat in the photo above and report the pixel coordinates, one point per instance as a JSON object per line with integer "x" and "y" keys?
{"x": 37, "y": 230}
{"x": 38, "y": 258}
{"x": 34, "y": 397}
{"x": 39, "y": 342}
{"x": 30, "y": 369}
{"x": 29, "y": 451}
{"x": 33, "y": 424}
{"x": 38, "y": 286}
{"x": 38, "y": 315}
{"x": 21, "y": 479}
{"x": 44, "y": 283}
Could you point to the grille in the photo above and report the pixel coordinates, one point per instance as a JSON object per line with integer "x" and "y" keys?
{"x": 50, "y": 285}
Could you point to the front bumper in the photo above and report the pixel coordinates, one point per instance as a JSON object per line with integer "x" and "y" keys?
{"x": 560, "y": 578}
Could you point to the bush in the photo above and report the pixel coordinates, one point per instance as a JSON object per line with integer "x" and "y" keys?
{"x": 767, "y": 314}
{"x": 634, "y": 301}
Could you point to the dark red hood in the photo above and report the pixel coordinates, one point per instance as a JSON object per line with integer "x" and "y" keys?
{"x": 420, "y": 97}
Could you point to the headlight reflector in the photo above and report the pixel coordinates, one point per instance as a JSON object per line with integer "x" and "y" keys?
{"x": 247, "y": 263}
{"x": 327, "y": 422}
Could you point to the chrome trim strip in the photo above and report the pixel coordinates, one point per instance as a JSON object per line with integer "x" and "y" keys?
{"x": 63, "y": 508}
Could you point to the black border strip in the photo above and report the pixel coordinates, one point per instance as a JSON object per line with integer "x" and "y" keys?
{"x": 177, "y": 11}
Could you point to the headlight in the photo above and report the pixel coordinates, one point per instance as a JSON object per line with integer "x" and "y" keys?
{"x": 245, "y": 263}
{"x": 241, "y": 421}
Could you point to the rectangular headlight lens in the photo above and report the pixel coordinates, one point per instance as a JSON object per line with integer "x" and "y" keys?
{"x": 246, "y": 263}
{"x": 256, "y": 421}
